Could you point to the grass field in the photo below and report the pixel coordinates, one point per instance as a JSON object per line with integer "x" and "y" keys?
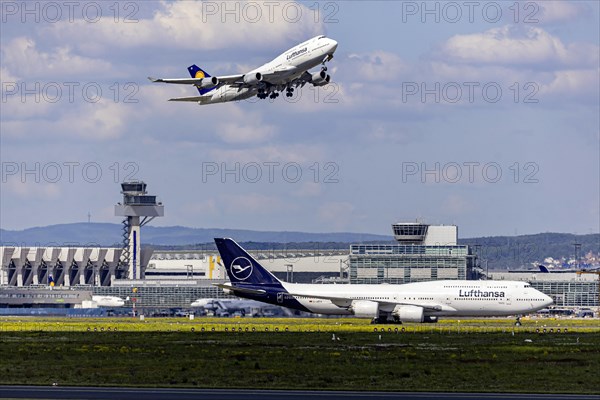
{"x": 470, "y": 355}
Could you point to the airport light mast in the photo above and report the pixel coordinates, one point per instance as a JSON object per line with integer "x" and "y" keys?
{"x": 138, "y": 208}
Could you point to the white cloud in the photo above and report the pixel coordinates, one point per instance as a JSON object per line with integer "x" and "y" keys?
{"x": 555, "y": 11}
{"x": 573, "y": 83}
{"x": 197, "y": 25}
{"x": 376, "y": 66}
{"x": 7, "y": 76}
{"x": 283, "y": 153}
{"x": 239, "y": 126}
{"x": 20, "y": 56}
{"x": 509, "y": 45}
{"x": 103, "y": 120}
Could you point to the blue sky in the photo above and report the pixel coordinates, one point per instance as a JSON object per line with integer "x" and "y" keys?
{"x": 487, "y": 117}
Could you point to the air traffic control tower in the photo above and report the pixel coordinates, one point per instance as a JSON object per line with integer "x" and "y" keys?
{"x": 138, "y": 208}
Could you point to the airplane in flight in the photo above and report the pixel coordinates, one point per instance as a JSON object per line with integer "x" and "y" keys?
{"x": 409, "y": 302}
{"x": 286, "y": 72}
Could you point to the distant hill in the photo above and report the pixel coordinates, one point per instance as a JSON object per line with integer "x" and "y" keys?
{"x": 110, "y": 234}
{"x": 501, "y": 252}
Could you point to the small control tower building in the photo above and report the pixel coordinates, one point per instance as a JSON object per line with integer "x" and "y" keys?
{"x": 138, "y": 208}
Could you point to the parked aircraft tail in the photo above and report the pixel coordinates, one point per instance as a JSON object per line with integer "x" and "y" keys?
{"x": 242, "y": 268}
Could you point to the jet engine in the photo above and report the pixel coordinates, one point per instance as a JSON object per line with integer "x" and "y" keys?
{"x": 365, "y": 309}
{"x": 208, "y": 82}
{"x": 251, "y": 79}
{"x": 320, "y": 78}
{"x": 407, "y": 313}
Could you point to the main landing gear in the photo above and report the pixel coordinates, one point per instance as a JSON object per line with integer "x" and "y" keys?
{"x": 261, "y": 94}
{"x": 518, "y": 321}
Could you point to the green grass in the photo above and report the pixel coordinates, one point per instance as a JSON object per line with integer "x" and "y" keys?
{"x": 475, "y": 355}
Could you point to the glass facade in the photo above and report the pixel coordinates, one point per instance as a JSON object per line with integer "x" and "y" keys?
{"x": 569, "y": 294}
{"x": 399, "y": 263}
{"x": 410, "y": 233}
{"x": 162, "y": 296}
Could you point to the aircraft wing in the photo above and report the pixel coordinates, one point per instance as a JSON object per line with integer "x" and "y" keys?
{"x": 346, "y": 302}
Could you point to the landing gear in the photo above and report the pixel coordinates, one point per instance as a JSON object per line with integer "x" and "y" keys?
{"x": 518, "y": 321}
{"x": 289, "y": 92}
{"x": 261, "y": 94}
{"x": 324, "y": 68}
{"x": 274, "y": 95}
{"x": 385, "y": 320}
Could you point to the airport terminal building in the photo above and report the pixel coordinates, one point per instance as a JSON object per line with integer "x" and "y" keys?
{"x": 422, "y": 253}
{"x": 174, "y": 279}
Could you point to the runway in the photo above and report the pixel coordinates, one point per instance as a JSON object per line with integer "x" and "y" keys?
{"x": 114, "y": 393}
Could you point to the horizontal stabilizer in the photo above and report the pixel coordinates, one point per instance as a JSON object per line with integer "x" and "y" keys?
{"x": 182, "y": 81}
{"x": 239, "y": 289}
{"x": 193, "y": 98}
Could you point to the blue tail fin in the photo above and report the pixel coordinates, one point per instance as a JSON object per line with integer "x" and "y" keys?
{"x": 197, "y": 72}
{"x": 242, "y": 267}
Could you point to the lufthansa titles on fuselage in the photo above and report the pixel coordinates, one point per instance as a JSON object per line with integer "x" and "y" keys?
{"x": 297, "y": 53}
{"x": 479, "y": 293}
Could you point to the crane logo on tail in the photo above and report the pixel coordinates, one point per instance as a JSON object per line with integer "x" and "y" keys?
{"x": 241, "y": 268}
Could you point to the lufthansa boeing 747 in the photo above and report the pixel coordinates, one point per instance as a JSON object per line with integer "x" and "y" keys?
{"x": 285, "y": 73}
{"x": 410, "y": 302}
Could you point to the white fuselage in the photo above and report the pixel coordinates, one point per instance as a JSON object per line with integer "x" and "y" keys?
{"x": 446, "y": 298}
{"x": 280, "y": 71}
{"x": 297, "y": 60}
{"x": 108, "y": 301}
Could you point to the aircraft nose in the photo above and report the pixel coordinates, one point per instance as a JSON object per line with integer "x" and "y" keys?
{"x": 333, "y": 45}
{"x": 548, "y": 301}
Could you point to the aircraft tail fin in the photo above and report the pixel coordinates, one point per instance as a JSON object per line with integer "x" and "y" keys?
{"x": 197, "y": 72}
{"x": 242, "y": 267}
{"x": 543, "y": 268}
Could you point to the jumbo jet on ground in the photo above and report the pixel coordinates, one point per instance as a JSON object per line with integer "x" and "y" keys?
{"x": 410, "y": 302}
{"x": 286, "y": 72}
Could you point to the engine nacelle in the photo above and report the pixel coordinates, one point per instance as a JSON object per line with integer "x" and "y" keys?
{"x": 251, "y": 79}
{"x": 365, "y": 309}
{"x": 208, "y": 82}
{"x": 408, "y": 313}
{"x": 320, "y": 78}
